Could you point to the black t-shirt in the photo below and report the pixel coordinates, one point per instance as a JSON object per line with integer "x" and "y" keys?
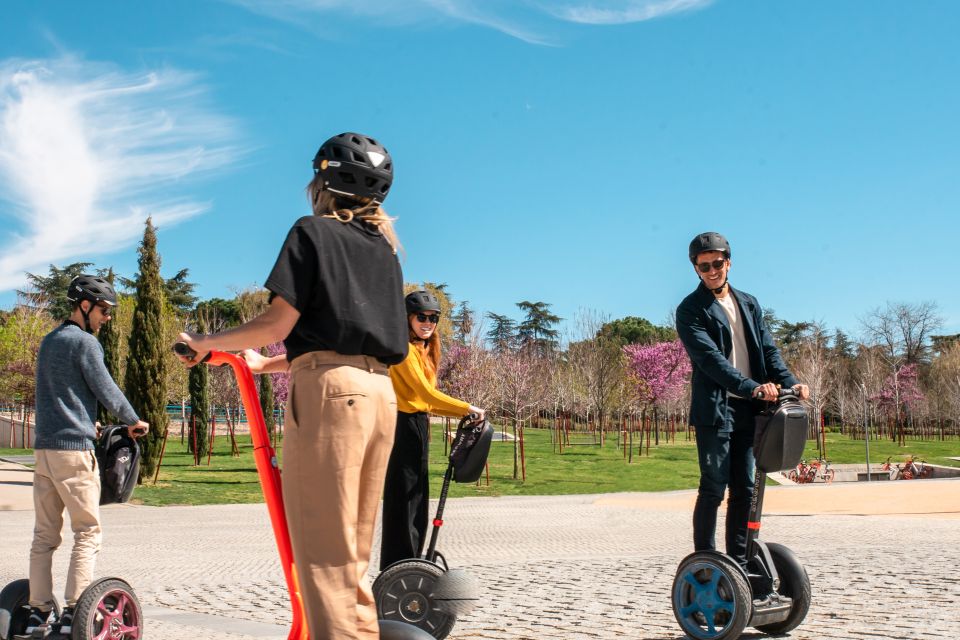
{"x": 345, "y": 281}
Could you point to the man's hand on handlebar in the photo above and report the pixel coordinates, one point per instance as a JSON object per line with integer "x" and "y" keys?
{"x": 477, "y": 414}
{"x": 771, "y": 392}
{"x": 767, "y": 391}
{"x": 139, "y": 429}
{"x": 802, "y": 391}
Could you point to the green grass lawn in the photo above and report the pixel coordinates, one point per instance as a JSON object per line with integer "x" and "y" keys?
{"x": 579, "y": 469}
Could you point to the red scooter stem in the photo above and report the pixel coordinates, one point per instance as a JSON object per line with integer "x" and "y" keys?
{"x": 269, "y": 472}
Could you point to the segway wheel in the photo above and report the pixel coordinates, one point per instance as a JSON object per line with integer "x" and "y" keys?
{"x": 404, "y": 592}
{"x": 794, "y": 584}
{"x": 13, "y": 612}
{"x": 711, "y": 597}
{"x": 108, "y": 608}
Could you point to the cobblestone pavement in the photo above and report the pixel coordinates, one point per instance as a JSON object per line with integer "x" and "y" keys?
{"x": 551, "y": 567}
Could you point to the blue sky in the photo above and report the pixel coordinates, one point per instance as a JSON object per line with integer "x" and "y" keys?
{"x": 562, "y": 151}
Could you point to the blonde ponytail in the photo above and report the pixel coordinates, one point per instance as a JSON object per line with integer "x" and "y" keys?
{"x": 324, "y": 203}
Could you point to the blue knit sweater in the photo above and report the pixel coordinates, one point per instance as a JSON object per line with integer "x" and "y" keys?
{"x": 71, "y": 377}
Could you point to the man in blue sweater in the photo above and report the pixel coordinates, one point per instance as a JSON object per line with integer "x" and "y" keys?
{"x": 71, "y": 378}
{"x": 735, "y": 362}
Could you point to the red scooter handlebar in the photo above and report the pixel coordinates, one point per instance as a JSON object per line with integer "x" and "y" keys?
{"x": 267, "y": 469}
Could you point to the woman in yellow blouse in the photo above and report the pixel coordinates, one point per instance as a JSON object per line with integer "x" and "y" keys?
{"x": 406, "y": 488}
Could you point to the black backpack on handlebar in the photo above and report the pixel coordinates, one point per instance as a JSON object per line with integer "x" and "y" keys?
{"x": 781, "y": 434}
{"x": 470, "y": 448}
{"x": 118, "y": 456}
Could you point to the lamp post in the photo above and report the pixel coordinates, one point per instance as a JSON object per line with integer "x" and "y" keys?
{"x": 866, "y": 428}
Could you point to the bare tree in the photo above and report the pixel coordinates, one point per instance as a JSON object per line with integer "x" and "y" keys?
{"x": 596, "y": 363}
{"x": 521, "y": 384}
{"x": 813, "y": 365}
{"x": 902, "y": 331}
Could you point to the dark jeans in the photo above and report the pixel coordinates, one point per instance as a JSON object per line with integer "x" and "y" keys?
{"x": 406, "y": 491}
{"x": 726, "y": 460}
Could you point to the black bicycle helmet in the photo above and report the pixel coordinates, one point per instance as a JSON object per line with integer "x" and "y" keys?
{"x": 709, "y": 241}
{"x": 418, "y": 301}
{"x": 352, "y": 164}
{"x": 92, "y": 288}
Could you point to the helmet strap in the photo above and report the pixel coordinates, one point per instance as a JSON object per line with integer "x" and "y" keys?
{"x": 86, "y": 317}
{"x": 719, "y": 289}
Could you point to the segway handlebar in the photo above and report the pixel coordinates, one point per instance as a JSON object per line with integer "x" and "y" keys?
{"x": 267, "y": 469}
{"x": 783, "y": 394}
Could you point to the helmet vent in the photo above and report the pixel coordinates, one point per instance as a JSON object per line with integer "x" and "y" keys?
{"x": 347, "y": 178}
{"x": 355, "y": 140}
{"x": 336, "y": 152}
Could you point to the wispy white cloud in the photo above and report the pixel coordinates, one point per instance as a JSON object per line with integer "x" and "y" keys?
{"x": 621, "y": 12}
{"x": 532, "y": 21}
{"x": 88, "y": 151}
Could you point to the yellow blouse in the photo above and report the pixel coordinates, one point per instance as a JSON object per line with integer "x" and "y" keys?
{"x": 417, "y": 391}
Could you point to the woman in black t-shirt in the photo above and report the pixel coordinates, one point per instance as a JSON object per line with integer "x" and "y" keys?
{"x": 336, "y": 300}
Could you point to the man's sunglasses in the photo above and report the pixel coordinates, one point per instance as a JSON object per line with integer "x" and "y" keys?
{"x": 104, "y": 309}
{"x": 705, "y": 267}
{"x": 423, "y": 317}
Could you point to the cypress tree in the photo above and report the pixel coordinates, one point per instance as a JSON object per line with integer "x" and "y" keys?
{"x": 199, "y": 381}
{"x": 266, "y": 400}
{"x": 146, "y": 380}
{"x": 109, "y": 338}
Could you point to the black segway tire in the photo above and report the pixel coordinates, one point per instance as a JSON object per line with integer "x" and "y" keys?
{"x": 794, "y": 583}
{"x": 711, "y": 597}
{"x": 393, "y": 630}
{"x": 108, "y": 608}
{"x": 404, "y": 592}
{"x": 456, "y": 592}
{"x": 13, "y": 612}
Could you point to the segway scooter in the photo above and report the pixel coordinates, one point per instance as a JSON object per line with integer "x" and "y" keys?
{"x": 108, "y": 608}
{"x": 268, "y": 469}
{"x": 713, "y": 596}
{"x": 424, "y": 591}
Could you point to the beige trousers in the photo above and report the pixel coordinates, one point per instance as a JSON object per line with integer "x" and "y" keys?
{"x": 64, "y": 479}
{"x": 341, "y": 412}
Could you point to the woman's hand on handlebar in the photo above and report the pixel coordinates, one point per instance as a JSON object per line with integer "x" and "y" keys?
{"x": 254, "y": 360}
{"x": 195, "y": 342}
{"x": 478, "y": 412}
{"x": 802, "y": 391}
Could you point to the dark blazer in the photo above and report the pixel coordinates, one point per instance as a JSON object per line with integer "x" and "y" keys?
{"x": 705, "y": 332}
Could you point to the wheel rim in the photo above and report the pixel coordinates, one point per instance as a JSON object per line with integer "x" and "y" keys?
{"x": 410, "y": 599}
{"x": 116, "y": 617}
{"x": 705, "y": 595}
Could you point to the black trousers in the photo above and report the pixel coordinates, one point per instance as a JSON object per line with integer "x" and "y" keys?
{"x": 406, "y": 491}
{"x": 726, "y": 462}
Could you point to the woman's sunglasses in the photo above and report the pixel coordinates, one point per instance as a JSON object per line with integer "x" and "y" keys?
{"x": 716, "y": 264}
{"x": 423, "y": 317}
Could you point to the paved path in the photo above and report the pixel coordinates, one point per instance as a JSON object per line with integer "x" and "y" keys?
{"x": 565, "y": 567}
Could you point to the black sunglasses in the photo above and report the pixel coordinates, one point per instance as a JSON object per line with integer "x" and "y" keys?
{"x": 704, "y": 267}
{"x": 104, "y": 309}
{"x": 423, "y": 317}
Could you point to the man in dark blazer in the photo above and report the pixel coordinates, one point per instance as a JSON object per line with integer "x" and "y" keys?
{"x": 735, "y": 362}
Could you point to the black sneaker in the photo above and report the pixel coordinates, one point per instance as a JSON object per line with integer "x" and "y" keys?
{"x": 37, "y": 618}
{"x": 64, "y": 623}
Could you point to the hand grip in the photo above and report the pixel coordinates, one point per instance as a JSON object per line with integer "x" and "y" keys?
{"x": 183, "y": 349}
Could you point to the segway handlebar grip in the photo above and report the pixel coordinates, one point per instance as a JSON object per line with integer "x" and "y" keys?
{"x": 183, "y": 349}
{"x": 782, "y": 394}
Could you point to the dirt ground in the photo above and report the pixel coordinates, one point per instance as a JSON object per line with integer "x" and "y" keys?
{"x": 940, "y": 498}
